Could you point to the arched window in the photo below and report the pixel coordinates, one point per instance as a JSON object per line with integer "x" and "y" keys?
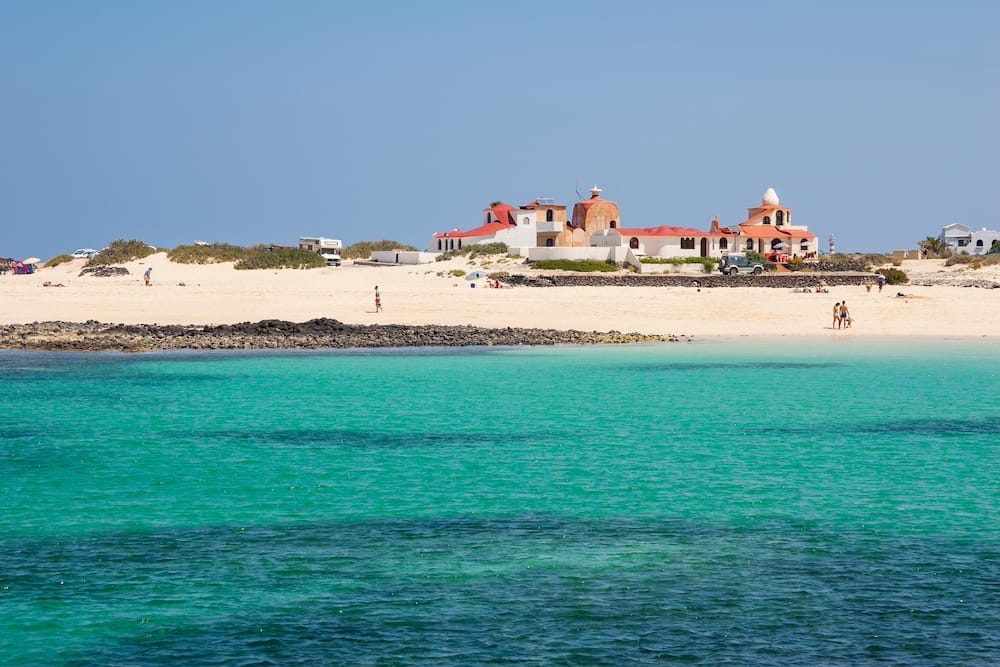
{"x": 767, "y": 219}
{"x": 460, "y": 244}
{"x": 614, "y": 224}
{"x": 549, "y": 243}
{"x": 439, "y": 244}
{"x": 633, "y": 243}
{"x": 549, "y": 215}
{"x": 749, "y": 244}
{"x": 979, "y": 243}
{"x": 723, "y": 244}
{"x": 779, "y": 218}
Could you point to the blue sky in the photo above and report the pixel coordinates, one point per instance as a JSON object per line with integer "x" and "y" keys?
{"x": 257, "y": 122}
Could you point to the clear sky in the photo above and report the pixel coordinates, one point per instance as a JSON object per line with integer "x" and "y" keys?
{"x": 259, "y": 122}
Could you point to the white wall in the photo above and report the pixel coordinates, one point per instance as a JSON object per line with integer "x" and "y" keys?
{"x": 618, "y": 255}
{"x": 987, "y": 236}
{"x": 403, "y": 257}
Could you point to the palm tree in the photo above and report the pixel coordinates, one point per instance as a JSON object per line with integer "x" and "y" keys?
{"x": 933, "y": 245}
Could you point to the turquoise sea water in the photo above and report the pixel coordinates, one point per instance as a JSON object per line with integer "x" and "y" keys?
{"x": 713, "y": 503}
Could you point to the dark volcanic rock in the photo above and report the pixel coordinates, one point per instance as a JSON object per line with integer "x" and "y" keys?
{"x": 279, "y": 334}
{"x": 789, "y": 280}
{"x": 105, "y": 271}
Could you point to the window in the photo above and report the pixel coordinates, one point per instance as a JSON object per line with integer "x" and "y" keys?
{"x": 549, "y": 215}
{"x": 633, "y": 243}
{"x": 779, "y": 218}
{"x": 767, "y": 219}
{"x": 723, "y": 244}
{"x": 979, "y": 243}
{"x": 749, "y": 244}
{"x": 687, "y": 243}
{"x": 549, "y": 243}
{"x": 614, "y": 224}
{"x": 439, "y": 244}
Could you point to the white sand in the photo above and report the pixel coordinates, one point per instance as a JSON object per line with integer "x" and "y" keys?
{"x": 217, "y": 294}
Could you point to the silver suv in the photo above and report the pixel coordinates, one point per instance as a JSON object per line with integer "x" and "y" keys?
{"x": 735, "y": 263}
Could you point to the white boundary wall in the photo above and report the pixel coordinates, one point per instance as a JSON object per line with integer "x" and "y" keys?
{"x": 403, "y": 256}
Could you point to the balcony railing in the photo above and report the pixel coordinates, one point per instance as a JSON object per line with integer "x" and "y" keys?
{"x": 550, "y": 227}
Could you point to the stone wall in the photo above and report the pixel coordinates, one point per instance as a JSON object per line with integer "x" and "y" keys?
{"x": 778, "y": 280}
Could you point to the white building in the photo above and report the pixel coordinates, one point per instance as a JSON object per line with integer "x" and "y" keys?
{"x": 961, "y": 239}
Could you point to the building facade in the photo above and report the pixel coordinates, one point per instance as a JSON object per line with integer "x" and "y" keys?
{"x": 597, "y": 223}
{"x": 962, "y": 239}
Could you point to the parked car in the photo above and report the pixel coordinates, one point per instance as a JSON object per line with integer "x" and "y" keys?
{"x": 735, "y": 263}
{"x": 83, "y": 253}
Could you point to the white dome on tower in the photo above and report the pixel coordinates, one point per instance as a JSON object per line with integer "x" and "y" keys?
{"x": 770, "y": 198}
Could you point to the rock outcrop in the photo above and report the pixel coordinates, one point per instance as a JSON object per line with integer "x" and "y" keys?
{"x": 278, "y": 334}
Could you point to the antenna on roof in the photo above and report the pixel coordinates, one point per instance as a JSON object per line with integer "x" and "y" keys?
{"x": 577, "y": 187}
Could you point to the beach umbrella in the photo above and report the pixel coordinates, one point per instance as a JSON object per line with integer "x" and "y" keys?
{"x": 475, "y": 275}
{"x": 782, "y": 245}
{"x": 31, "y": 260}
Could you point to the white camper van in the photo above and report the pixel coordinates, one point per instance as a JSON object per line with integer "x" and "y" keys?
{"x": 328, "y": 249}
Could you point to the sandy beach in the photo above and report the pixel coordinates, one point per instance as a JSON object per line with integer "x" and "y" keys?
{"x": 429, "y": 294}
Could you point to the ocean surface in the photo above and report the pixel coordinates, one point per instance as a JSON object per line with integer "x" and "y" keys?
{"x": 774, "y": 502}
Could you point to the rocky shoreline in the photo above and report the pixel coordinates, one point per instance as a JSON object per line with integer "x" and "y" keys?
{"x": 93, "y": 336}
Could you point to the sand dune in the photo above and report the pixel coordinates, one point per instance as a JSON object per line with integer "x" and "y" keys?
{"x": 427, "y": 294}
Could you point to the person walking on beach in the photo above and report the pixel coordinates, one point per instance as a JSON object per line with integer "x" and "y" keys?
{"x": 378, "y": 300}
{"x": 836, "y": 315}
{"x": 148, "y": 276}
{"x": 881, "y": 282}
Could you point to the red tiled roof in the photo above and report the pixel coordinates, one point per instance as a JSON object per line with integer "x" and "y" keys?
{"x": 483, "y": 230}
{"x": 772, "y": 232}
{"x": 666, "y": 230}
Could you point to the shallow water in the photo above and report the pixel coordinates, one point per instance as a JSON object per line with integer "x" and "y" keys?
{"x": 722, "y": 503}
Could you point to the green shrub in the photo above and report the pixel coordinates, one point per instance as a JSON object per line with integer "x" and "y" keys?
{"x": 582, "y": 265}
{"x": 475, "y": 250}
{"x": 757, "y": 258}
{"x": 364, "y": 249}
{"x": 496, "y": 248}
{"x": 710, "y": 263}
{"x": 260, "y": 257}
{"x": 213, "y": 253}
{"x": 875, "y": 259}
{"x": 121, "y": 251}
{"x": 59, "y": 259}
{"x": 894, "y": 276}
{"x": 457, "y": 272}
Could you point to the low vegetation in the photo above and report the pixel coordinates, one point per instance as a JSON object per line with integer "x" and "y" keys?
{"x": 364, "y": 249}
{"x": 581, "y": 265}
{"x": 120, "y": 252}
{"x": 475, "y": 250}
{"x": 213, "y": 253}
{"x": 267, "y": 257}
{"x": 870, "y": 259}
{"x": 894, "y": 276}
{"x": 975, "y": 261}
{"x": 59, "y": 259}
{"x": 710, "y": 263}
